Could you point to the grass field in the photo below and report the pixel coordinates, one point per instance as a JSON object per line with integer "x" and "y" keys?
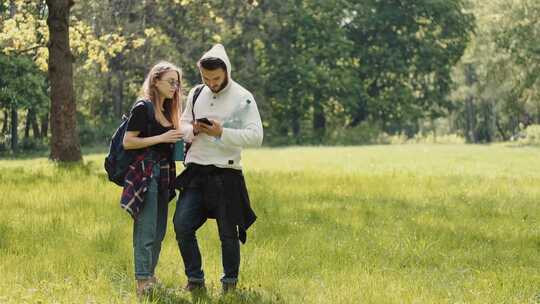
{"x": 376, "y": 224}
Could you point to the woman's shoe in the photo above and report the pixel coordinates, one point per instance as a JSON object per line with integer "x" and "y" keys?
{"x": 145, "y": 286}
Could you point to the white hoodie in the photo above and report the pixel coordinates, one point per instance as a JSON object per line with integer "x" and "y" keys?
{"x": 235, "y": 108}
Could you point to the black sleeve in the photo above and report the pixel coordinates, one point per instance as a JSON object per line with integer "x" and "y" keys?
{"x": 139, "y": 119}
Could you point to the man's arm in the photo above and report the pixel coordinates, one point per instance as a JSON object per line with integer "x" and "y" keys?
{"x": 186, "y": 119}
{"x": 251, "y": 133}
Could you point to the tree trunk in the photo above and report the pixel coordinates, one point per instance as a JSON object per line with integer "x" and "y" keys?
{"x": 6, "y": 122}
{"x": 489, "y": 121}
{"x": 27, "y": 124}
{"x": 295, "y": 120}
{"x": 296, "y": 129}
{"x": 360, "y": 113}
{"x": 118, "y": 94}
{"x": 14, "y": 134}
{"x": 433, "y": 128}
{"x": 44, "y": 126}
{"x": 35, "y": 126}
{"x": 470, "y": 120}
{"x": 319, "y": 120}
{"x": 65, "y": 144}
{"x": 470, "y": 113}
{"x": 537, "y": 120}
{"x": 31, "y": 123}
{"x": 503, "y": 134}
{"x": 12, "y": 8}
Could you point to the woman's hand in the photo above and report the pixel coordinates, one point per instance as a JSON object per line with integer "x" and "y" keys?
{"x": 171, "y": 136}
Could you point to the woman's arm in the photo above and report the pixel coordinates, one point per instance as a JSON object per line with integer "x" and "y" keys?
{"x": 131, "y": 141}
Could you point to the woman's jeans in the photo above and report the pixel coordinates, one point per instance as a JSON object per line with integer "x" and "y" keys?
{"x": 188, "y": 217}
{"x": 149, "y": 228}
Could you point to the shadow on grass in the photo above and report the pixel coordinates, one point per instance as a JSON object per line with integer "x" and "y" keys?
{"x": 23, "y": 155}
{"x": 52, "y": 173}
{"x": 45, "y": 153}
{"x": 521, "y": 145}
{"x": 240, "y": 296}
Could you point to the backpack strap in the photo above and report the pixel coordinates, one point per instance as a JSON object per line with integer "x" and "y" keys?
{"x": 196, "y": 94}
{"x": 150, "y": 113}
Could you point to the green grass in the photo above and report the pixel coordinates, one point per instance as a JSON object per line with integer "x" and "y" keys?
{"x": 377, "y": 224}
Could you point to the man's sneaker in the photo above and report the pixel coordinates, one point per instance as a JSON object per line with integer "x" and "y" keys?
{"x": 195, "y": 286}
{"x": 228, "y": 287}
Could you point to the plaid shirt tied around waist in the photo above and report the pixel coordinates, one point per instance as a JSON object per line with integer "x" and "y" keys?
{"x": 138, "y": 179}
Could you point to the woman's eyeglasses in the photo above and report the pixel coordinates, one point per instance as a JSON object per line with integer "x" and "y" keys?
{"x": 173, "y": 83}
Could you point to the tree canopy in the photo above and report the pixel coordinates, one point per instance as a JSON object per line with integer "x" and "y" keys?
{"x": 317, "y": 68}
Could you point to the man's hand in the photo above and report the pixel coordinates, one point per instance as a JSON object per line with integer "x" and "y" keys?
{"x": 214, "y": 130}
{"x": 196, "y": 129}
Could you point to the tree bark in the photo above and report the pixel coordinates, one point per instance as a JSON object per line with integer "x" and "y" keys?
{"x": 6, "y": 122}
{"x": 27, "y": 124}
{"x": 537, "y": 120}
{"x": 44, "y": 126}
{"x": 14, "y": 133}
{"x": 31, "y": 123}
{"x": 35, "y": 126}
{"x": 118, "y": 94}
{"x": 12, "y": 8}
{"x": 295, "y": 119}
{"x": 14, "y": 118}
{"x": 65, "y": 146}
{"x": 359, "y": 114}
{"x": 470, "y": 113}
{"x": 319, "y": 120}
{"x": 503, "y": 134}
{"x": 470, "y": 120}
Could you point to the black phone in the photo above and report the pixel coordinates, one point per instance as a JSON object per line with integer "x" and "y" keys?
{"x": 204, "y": 120}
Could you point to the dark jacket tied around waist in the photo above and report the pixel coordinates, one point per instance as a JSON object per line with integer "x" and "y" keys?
{"x": 220, "y": 186}
{"x": 138, "y": 178}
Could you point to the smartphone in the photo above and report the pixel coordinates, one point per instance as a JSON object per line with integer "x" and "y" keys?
{"x": 204, "y": 120}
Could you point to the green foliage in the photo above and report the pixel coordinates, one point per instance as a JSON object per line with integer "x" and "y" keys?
{"x": 406, "y": 50}
{"x": 22, "y": 84}
{"x": 3, "y": 7}
{"x": 497, "y": 87}
{"x": 33, "y": 144}
{"x": 96, "y": 132}
{"x": 307, "y": 62}
{"x": 519, "y": 38}
{"x": 428, "y": 138}
{"x": 363, "y": 134}
{"x": 22, "y": 87}
{"x": 531, "y": 135}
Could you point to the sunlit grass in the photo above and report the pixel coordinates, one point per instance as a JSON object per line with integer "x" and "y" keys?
{"x": 379, "y": 224}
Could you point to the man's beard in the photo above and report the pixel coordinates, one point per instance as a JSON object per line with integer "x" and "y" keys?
{"x": 223, "y": 85}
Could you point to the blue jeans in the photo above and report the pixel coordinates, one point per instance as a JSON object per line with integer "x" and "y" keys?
{"x": 149, "y": 228}
{"x": 189, "y": 216}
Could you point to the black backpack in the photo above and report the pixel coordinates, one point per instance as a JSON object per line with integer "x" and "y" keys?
{"x": 194, "y": 99}
{"x": 118, "y": 160}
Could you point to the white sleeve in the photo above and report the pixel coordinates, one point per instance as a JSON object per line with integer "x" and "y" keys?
{"x": 251, "y": 132}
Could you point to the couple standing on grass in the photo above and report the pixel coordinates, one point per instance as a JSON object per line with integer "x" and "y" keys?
{"x": 212, "y": 184}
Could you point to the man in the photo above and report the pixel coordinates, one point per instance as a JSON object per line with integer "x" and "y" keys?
{"x": 212, "y": 185}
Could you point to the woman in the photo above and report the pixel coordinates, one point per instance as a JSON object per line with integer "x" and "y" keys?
{"x": 156, "y": 171}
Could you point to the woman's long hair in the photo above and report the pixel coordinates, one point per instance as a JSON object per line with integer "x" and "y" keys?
{"x": 150, "y": 92}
